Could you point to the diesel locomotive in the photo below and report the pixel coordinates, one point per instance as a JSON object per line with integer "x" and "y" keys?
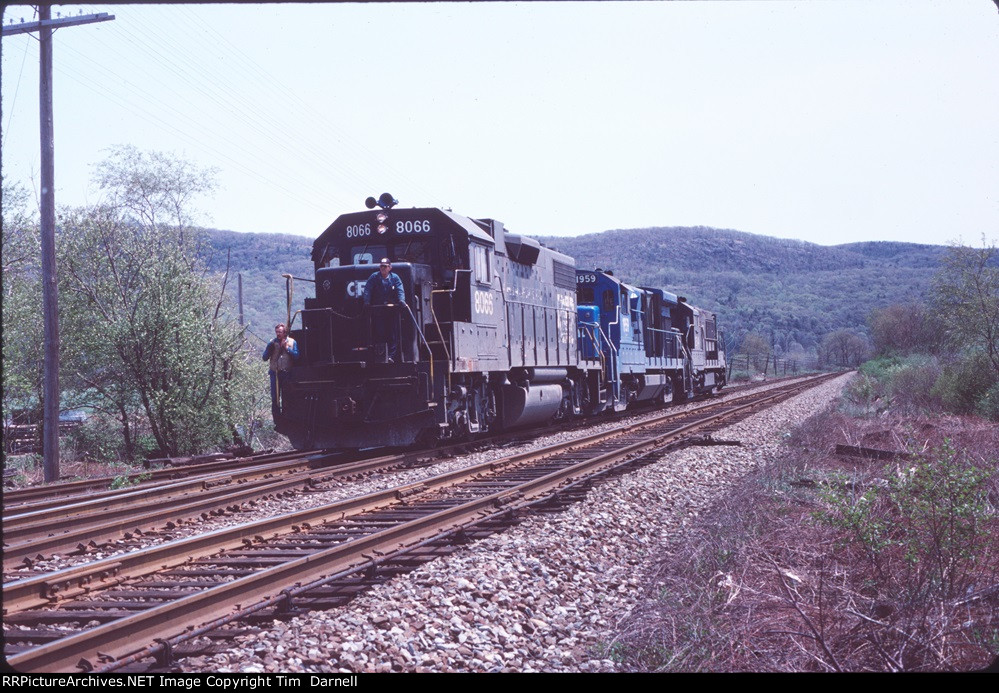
{"x": 496, "y": 332}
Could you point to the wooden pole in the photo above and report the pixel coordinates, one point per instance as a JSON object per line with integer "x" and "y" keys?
{"x": 50, "y": 285}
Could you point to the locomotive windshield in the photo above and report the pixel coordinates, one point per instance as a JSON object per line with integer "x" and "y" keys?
{"x": 406, "y": 250}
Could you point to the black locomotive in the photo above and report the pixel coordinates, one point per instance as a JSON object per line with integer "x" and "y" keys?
{"x": 496, "y": 332}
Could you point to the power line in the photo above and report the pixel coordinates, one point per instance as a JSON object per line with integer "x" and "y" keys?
{"x": 17, "y": 88}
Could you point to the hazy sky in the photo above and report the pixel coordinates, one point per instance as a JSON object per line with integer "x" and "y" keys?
{"x": 831, "y": 122}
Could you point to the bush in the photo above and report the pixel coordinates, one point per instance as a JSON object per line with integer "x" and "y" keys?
{"x": 965, "y": 383}
{"x": 919, "y": 383}
{"x": 894, "y": 382}
{"x": 897, "y": 574}
{"x": 988, "y": 406}
{"x": 98, "y": 439}
{"x": 880, "y": 367}
{"x": 932, "y": 514}
{"x": 865, "y": 392}
{"x": 910, "y": 385}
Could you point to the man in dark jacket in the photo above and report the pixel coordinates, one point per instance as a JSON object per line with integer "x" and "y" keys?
{"x": 384, "y": 287}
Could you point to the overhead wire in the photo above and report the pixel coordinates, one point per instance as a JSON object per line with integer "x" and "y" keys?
{"x": 137, "y": 94}
{"x": 17, "y": 88}
{"x": 214, "y": 90}
{"x": 148, "y": 116}
{"x": 142, "y": 35}
{"x": 306, "y": 107}
{"x": 316, "y": 153}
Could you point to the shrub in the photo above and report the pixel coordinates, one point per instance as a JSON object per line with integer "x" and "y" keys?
{"x": 125, "y": 480}
{"x": 988, "y": 406}
{"x": 924, "y": 531}
{"x": 880, "y": 367}
{"x": 910, "y": 385}
{"x": 964, "y": 383}
{"x": 98, "y": 439}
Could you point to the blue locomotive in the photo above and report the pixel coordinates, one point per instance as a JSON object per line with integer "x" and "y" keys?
{"x": 496, "y": 332}
{"x": 651, "y": 345}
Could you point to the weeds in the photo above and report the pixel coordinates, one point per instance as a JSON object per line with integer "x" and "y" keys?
{"x": 816, "y": 563}
{"x": 125, "y": 480}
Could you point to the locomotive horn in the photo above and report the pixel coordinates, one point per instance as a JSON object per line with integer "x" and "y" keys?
{"x": 386, "y": 201}
{"x": 370, "y": 203}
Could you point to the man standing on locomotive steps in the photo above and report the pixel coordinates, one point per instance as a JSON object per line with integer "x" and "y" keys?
{"x": 281, "y": 351}
{"x": 384, "y": 288}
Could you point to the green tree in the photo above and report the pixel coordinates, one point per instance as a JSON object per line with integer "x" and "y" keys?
{"x": 22, "y": 304}
{"x": 844, "y": 347}
{"x": 151, "y": 335}
{"x": 904, "y": 328}
{"x": 968, "y": 289}
{"x": 756, "y": 348}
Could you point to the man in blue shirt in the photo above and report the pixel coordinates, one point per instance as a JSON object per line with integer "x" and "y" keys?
{"x": 280, "y": 351}
{"x": 384, "y": 287}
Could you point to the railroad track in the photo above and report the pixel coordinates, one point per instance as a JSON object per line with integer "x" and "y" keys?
{"x": 106, "y": 615}
{"x": 32, "y": 533}
{"x": 30, "y": 499}
{"x": 52, "y": 495}
{"x": 78, "y": 522}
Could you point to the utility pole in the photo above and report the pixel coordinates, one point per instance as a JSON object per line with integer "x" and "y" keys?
{"x": 50, "y": 286}
{"x": 240, "y": 277}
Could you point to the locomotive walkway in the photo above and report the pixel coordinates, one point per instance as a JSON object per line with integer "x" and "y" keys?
{"x": 323, "y": 554}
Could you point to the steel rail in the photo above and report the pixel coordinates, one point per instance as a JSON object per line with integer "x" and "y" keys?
{"x": 74, "y": 527}
{"x": 42, "y": 589}
{"x": 36, "y": 498}
{"x": 69, "y": 510}
{"x": 163, "y": 647}
{"x": 57, "y": 493}
{"x": 55, "y": 527}
{"x": 119, "y": 637}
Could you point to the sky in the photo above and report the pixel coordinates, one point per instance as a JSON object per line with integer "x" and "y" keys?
{"x": 825, "y": 121}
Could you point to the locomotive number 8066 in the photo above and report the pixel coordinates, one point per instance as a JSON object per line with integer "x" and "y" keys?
{"x": 496, "y": 332}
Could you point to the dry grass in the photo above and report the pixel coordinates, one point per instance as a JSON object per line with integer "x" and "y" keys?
{"x": 822, "y": 563}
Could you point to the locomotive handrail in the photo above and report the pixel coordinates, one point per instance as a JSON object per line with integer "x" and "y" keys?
{"x": 430, "y": 353}
{"x": 614, "y": 361}
{"x": 433, "y": 313}
{"x": 289, "y": 289}
{"x": 673, "y": 332}
{"x": 447, "y": 352}
{"x": 617, "y": 316}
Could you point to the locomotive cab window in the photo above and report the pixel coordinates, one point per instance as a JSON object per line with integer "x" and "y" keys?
{"x": 411, "y": 250}
{"x": 480, "y": 264}
{"x": 609, "y": 304}
{"x": 329, "y": 258}
{"x": 367, "y": 254}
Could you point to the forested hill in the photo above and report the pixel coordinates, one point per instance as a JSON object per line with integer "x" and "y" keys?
{"x": 794, "y": 290}
{"x": 262, "y": 258}
{"x": 798, "y": 291}
{"x": 721, "y": 249}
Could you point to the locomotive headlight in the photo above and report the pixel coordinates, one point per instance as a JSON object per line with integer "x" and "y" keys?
{"x": 382, "y": 228}
{"x": 382, "y": 217}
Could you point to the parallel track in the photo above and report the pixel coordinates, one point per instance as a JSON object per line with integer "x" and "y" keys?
{"x": 86, "y": 521}
{"x": 214, "y": 579}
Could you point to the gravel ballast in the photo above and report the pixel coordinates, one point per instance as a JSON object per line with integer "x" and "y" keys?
{"x": 545, "y": 595}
